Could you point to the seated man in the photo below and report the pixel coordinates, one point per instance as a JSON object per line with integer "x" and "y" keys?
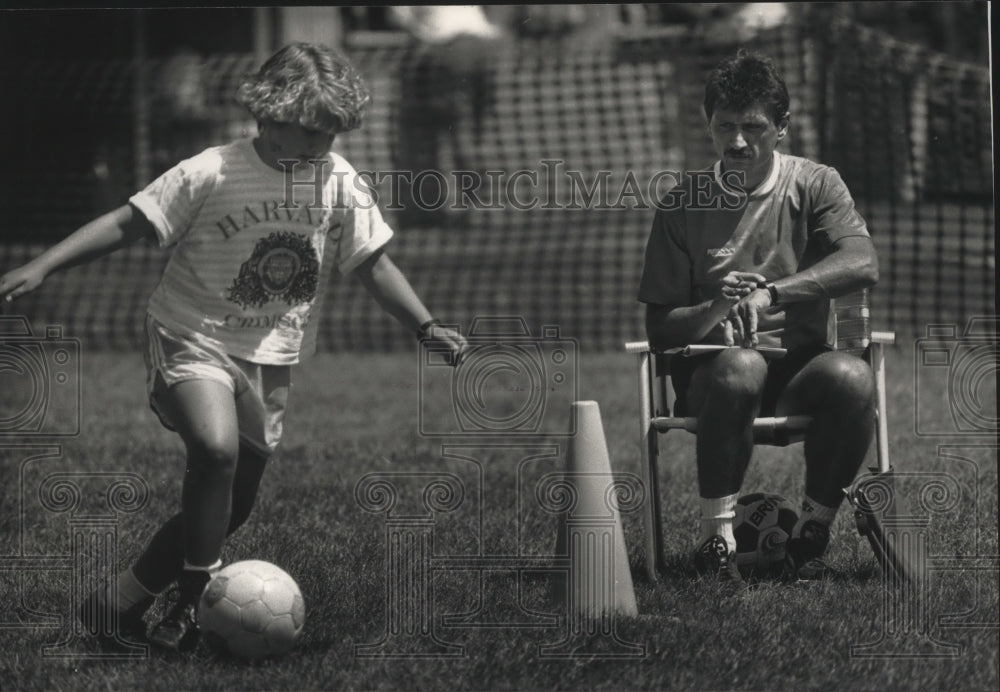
{"x": 751, "y": 254}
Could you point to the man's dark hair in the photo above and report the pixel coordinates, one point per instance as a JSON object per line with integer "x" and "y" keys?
{"x": 743, "y": 80}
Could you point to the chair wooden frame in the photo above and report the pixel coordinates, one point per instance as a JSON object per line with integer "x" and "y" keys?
{"x": 656, "y": 401}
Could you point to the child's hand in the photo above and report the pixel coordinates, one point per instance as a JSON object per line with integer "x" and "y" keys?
{"x": 17, "y": 282}
{"x": 451, "y": 340}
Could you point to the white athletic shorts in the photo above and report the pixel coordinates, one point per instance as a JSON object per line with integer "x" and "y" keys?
{"x": 260, "y": 391}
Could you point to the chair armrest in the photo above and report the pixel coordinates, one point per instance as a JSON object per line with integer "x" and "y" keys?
{"x": 887, "y": 338}
{"x": 760, "y": 425}
{"x": 695, "y": 349}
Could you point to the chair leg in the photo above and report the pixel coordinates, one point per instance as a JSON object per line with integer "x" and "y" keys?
{"x": 648, "y": 444}
{"x": 653, "y": 447}
{"x": 881, "y": 421}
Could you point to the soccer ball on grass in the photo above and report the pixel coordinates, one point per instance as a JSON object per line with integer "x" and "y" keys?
{"x": 251, "y": 609}
{"x": 762, "y": 526}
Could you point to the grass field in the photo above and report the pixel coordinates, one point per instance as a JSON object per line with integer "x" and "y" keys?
{"x": 353, "y": 415}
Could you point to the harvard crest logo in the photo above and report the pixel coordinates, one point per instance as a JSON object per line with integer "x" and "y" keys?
{"x": 283, "y": 266}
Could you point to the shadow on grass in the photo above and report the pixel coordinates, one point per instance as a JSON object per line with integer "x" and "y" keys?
{"x": 678, "y": 570}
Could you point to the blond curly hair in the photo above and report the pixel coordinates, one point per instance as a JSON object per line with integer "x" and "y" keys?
{"x": 308, "y": 85}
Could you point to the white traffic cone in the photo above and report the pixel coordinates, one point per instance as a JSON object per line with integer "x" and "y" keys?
{"x": 590, "y": 530}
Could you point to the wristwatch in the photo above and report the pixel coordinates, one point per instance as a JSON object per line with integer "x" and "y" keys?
{"x": 422, "y": 332}
{"x": 772, "y": 291}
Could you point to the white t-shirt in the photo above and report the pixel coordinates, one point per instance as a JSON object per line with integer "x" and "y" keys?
{"x": 248, "y": 270}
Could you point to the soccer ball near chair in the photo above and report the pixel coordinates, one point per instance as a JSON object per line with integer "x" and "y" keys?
{"x": 762, "y": 526}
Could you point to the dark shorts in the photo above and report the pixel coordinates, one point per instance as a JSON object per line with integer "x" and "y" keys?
{"x": 779, "y": 373}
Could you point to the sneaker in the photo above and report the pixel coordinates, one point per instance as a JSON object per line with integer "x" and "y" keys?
{"x": 178, "y": 630}
{"x": 803, "y": 561}
{"x": 130, "y": 628}
{"x": 714, "y": 559}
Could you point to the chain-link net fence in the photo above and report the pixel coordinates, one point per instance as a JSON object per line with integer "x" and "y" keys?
{"x": 569, "y": 152}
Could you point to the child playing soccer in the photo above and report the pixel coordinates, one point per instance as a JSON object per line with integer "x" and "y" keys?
{"x": 256, "y": 227}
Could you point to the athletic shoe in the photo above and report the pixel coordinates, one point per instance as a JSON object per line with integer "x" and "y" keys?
{"x": 178, "y": 630}
{"x": 803, "y": 561}
{"x": 714, "y": 559}
{"x": 130, "y": 629}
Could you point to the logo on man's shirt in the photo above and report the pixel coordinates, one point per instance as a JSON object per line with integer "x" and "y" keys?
{"x": 721, "y": 252}
{"x": 283, "y": 266}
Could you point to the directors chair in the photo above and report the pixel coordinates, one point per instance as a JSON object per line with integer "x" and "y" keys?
{"x": 656, "y": 401}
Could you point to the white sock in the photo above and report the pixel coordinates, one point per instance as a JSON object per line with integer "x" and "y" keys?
{"x": 814, "y": 511}
{"x": 717, "y": 514}
{"x": 211, "y": 569}
{"x": 128, "y": 591}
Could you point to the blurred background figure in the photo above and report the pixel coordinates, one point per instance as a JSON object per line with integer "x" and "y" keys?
{"x": 180, "y": 112}
{"x": 438, "y": 24}
{"x": 750, "y": 19}
{"x": 447, "y": 88}
{"x": 722, "y": 22}
{"x": 181, "y": 89}
{"x": 568, "y": 29}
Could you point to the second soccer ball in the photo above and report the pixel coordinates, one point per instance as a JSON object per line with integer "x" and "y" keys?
{"x": 762, "y": 526}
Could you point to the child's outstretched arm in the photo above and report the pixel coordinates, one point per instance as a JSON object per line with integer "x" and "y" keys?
{"x": 103, "y": 235}
{"x": 392, "y": 291}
